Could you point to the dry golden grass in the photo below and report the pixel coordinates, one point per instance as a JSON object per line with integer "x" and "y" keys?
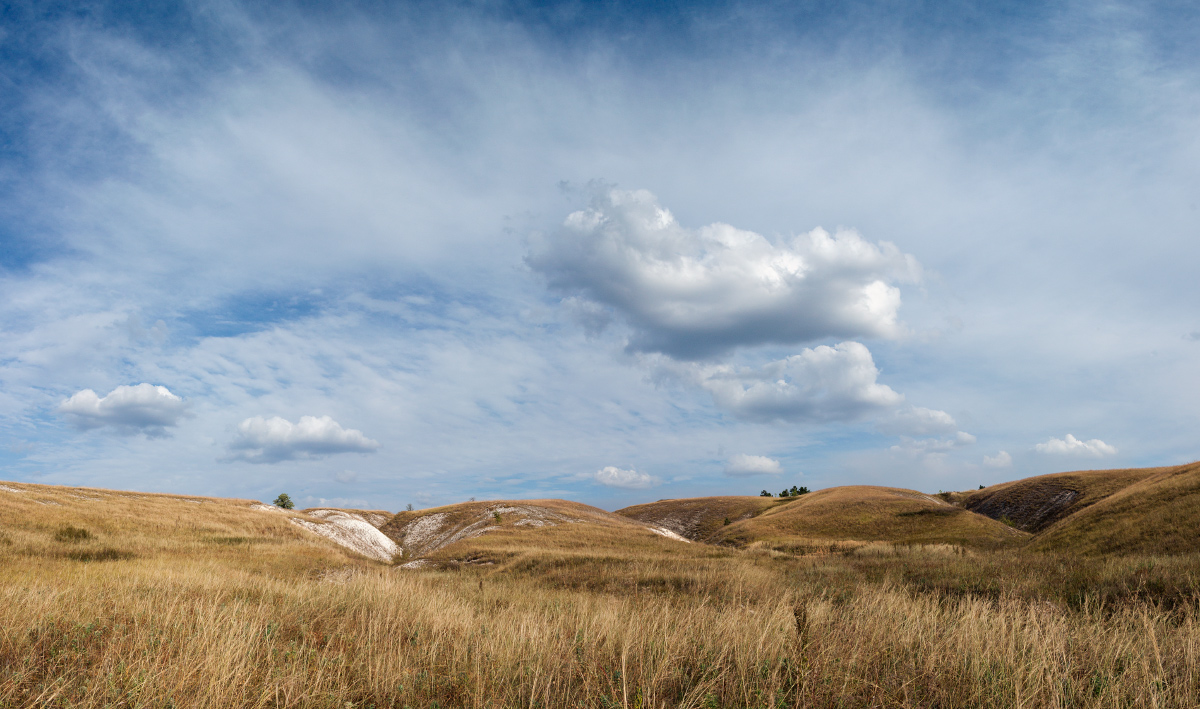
{"x": 216, "y": 605}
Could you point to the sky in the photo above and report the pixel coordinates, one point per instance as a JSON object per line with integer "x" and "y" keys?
{"x": 380, "y": 254}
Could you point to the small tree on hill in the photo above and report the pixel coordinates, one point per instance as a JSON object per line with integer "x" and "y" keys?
{"x": 284, "y": 501}
{"x": 764, "y": 493}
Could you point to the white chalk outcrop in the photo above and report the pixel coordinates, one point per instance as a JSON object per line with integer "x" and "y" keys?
{"x": 356, "y": 531}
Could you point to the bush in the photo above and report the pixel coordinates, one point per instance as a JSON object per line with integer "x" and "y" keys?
{"x": 284, "y": 501}
{"x": 72, "y": 534}
{"x": 105, "y": 554}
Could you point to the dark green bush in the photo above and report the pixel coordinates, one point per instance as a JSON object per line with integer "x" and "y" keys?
{"x": 105, "y": 554}
{"x": 72, "y": 534}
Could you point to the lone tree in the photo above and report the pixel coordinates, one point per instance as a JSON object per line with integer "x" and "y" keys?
{"x": 284, "y": 501}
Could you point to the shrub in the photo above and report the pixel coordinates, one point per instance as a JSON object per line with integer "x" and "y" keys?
{"x": 105, "y": 554}
{"x": 72, "y": 534}
{"x": 284, "y": 501}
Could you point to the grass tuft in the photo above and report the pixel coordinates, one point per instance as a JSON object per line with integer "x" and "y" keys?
{"x": 68, "y": 533}
{"x": 105, "y": 554}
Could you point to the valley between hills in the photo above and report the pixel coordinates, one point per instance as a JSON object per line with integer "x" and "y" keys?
{"x": 1072, "y": 589}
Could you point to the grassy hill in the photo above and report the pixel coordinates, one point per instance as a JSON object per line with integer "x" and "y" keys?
{"x": 1033, "y": 504}
{"x": 558, "y": 540}
{"x": 149, "y": 529}
{"x": 700, "y": 518}
{"x": 863, "y": 513}
{"x": 1158, "y": 513}
{"x": 843, "y": 514}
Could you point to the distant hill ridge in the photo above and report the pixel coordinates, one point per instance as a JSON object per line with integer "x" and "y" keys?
{"x": 855, "y": 513}
{"x": 1124, "y": 511}
{"x": 1127, "y": 511}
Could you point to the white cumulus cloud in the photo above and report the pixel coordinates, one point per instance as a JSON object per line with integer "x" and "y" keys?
{"x": 1095, "y": 448}
{"x": 824, "y": 383}
{"x": 263, "y": 440}
{"x": 1000, "y": 460}
{"x": 144, "y": 408}
{"x": 629, "y": 479}
{"x": 694, "y": 293}
{"x": 743, "y": 465}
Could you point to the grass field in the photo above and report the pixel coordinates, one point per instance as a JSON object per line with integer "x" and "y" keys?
{"x": 118, "y": 599}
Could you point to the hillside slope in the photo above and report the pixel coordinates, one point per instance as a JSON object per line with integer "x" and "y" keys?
{"x": 1158, "y": 514}
{"x": 699, "y": 518}
{"x": 864, "y": 513}
{"x": 150, "y": 525}
{"x": 495, "y": 530}
{"x": 1034, "y": 504}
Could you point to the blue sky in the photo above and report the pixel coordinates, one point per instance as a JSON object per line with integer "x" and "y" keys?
{"x": 376, "y": 254}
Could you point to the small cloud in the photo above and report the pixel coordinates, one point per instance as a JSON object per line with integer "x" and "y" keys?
{"x": 143, "y": 408}
{"x": 931, "y": 446}
{"x": 629, "y": 479}
{"x": 346, "y": 476}
{"x": 1000, "y": 460}
{"x": 1095, "y": 448}
{"x": 918, "y": 421}
{"x": 1194, "y": 336}
{"x": 273, "y": 440}
{"x": 742, "y": 465}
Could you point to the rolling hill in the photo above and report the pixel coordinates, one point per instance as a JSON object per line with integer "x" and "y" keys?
{"x": 1033, "y": 504}
{"x": 842, "y": 514}
{"x": 1157, "y": 514}
{"x": 147, "y": 526}
{"x": 486, "y": 533}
